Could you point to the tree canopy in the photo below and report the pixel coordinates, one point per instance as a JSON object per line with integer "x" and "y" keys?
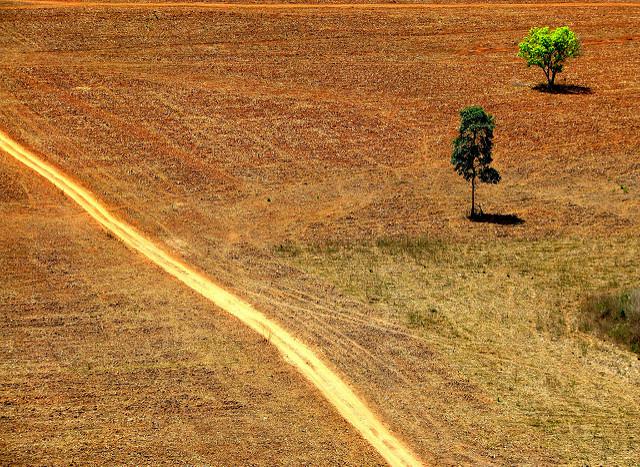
{"x": 549, "y": 50}
{"x": 472, "y": 148}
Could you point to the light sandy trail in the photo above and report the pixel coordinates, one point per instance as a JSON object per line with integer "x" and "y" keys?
{"x": 296, "y": 353}
{"x": 325, "y": 6}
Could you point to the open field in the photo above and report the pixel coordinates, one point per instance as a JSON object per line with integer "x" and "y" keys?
{"x": 97, "y": 366}
{"x": 331, "y": 385}
{"x": 301, "y": 158}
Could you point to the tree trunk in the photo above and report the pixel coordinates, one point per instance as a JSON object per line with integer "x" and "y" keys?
{"x": 547, "y": 74}
{"x": 473, "y": 197}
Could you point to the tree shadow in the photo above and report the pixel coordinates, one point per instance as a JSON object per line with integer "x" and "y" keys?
{"x": 563, "y": 89}
{"x": 501, "y": 219}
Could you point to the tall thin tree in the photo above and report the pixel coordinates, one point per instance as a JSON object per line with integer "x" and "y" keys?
{"x": 472, "y": 148}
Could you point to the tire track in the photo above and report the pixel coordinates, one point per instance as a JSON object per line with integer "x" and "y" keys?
{"x": 294, "y": 352}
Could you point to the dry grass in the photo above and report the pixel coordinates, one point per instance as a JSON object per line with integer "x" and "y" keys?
{"x": 504, "y": 314}
{"x": 614, "y": 316}
{"x": 285, "y": 152}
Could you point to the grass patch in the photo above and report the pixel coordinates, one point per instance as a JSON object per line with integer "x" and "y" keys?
{"x": 614, "y": 316}
{"x": 413, "y": 247}
{"x": 503, "y": 315}
{"x": 287, "y": 249}
{"x": 421, "y": 318}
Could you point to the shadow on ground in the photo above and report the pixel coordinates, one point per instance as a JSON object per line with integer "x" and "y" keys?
{"x": 502, "y": 219}
{"x": 563, "y": 89}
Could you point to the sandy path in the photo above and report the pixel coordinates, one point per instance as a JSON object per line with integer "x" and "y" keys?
{"x": 297, "y": 354}
{"x": 332, "y": 6}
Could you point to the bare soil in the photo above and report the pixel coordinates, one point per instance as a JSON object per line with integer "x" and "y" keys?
{"x": 287, "y": 153}
{"x": 105, "y": 359}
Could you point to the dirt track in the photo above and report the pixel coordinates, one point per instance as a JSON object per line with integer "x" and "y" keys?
{"x": 296, "y": 353}
{"x": 331, "y": 6}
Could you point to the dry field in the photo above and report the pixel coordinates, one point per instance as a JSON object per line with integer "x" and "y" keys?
{"x": 105, "y": 359}
{"x": 300, "y": 157}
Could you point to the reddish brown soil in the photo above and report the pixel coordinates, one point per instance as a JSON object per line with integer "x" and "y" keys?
{"x": 226, "y": 134}
{"x": 107, "y": 360}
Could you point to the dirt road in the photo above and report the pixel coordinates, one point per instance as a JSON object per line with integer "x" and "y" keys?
{"x": 297, "y": 354}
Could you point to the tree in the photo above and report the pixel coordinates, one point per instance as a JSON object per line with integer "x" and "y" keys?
{"x": 549, "y": 50}
{"x": 471, "y": 156}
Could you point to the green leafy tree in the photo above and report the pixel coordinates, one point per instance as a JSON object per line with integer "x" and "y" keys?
{"x": 549, "y": 50}
{"x": 471, "y": 156}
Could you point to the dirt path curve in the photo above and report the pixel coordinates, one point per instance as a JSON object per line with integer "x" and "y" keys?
{"x": 296, "y": 353}
{"x": 331, "y": 6}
